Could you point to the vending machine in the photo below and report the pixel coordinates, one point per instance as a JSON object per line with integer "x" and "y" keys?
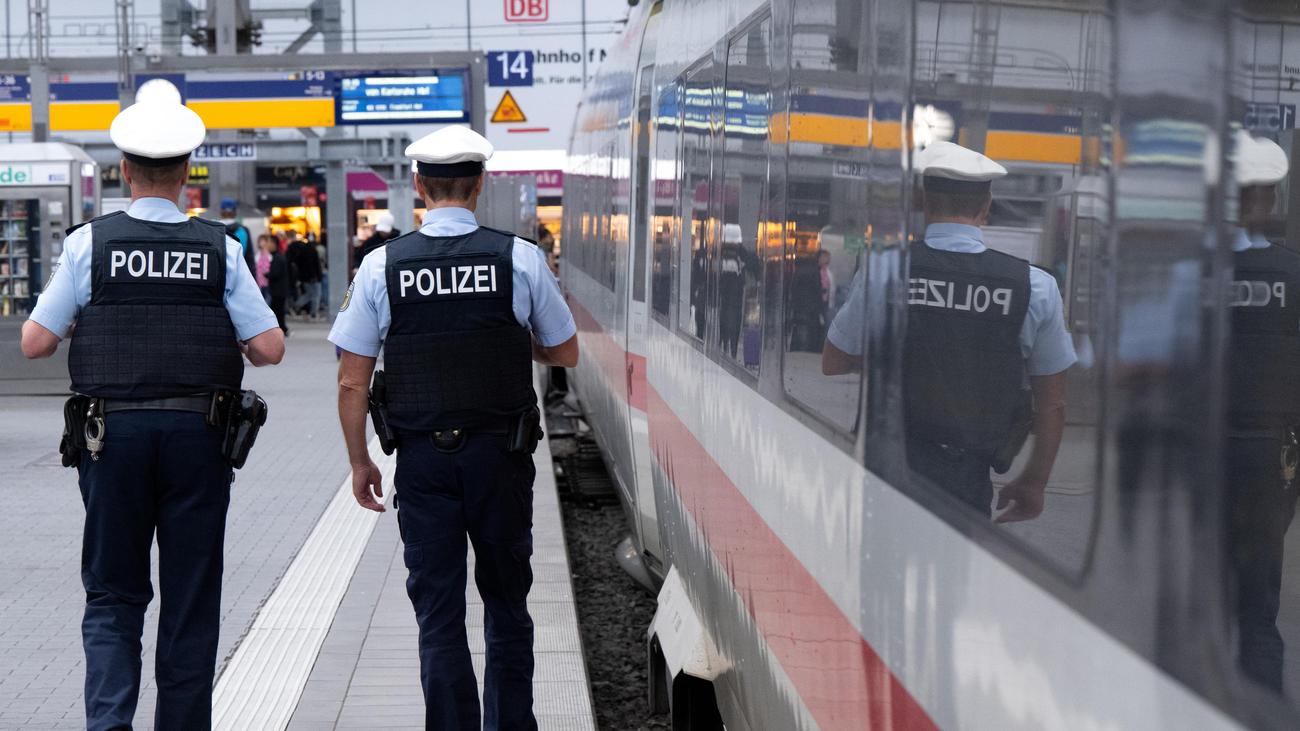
{"x": 45, "y": 188}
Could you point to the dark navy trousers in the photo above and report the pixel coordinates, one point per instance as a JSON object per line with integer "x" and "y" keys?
{"x": 160, "y": 472}
{"x": 482, "y": 494}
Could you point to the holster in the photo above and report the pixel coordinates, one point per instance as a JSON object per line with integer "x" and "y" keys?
{"x": 242, "y": 414}
{"x": 1022, "y": 423}
{"x": 377, "y": 403}
{"x": 527, "y": 433}
{"x": 73, "y": 441}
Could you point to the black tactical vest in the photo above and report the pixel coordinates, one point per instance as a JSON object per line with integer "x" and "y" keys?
{"x": 964, "y": 373}
{"x": 156, "y": 325}
{"x": 1264, "y": 360}
{"x": 455, "y": 356}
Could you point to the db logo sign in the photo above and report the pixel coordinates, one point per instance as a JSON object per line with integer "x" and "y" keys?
{"x": 527, "y": 11}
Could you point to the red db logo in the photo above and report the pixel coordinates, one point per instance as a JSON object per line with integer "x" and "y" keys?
{"x": 527, "y": 11}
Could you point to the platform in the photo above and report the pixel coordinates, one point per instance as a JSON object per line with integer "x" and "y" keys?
{"x": 317, "y": 631}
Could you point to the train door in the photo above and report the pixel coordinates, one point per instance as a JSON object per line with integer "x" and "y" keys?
{"x": 642, "y": 191}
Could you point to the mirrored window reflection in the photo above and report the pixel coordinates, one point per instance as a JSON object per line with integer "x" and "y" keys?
{"x": 692, "y": 251}
{"x": 826, "y": 215}
{"x": 1263, "y": 389}
{"x": 746, "y": 109}
{"x": 1000, "y": 394}
{"x": 664, "y": 174}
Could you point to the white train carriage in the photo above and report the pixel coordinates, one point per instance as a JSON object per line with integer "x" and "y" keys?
{"x": 809, "y": 577}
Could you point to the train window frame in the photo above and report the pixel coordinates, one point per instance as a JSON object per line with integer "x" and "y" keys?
{"x": 668, "y": 317}
{"x": 698, "y": 70}
{"x": 717, "y": 202}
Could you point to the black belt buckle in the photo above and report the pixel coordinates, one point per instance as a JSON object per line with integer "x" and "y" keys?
{"x": 448, "y": 441}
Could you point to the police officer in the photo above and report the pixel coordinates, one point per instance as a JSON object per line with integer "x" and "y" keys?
{"x": 1263, "y": 407}
{"x": 981, "y": 325}
{"x": 162, "y": 306}
{"x": 461, "y": 312}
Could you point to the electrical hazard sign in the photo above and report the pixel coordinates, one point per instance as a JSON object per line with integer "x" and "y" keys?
{"x": 508, "y": 110}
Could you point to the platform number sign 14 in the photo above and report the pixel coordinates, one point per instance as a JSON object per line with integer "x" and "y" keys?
{"x": 510, "y": 68}
{"x": 527, "y": 11}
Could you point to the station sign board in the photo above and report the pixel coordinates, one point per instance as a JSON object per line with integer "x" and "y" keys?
{"x": 429, "y": 96}
{"x": 15, "y": 175}
{"x": 214, "y": 152}
{"x": 527, "y": 11}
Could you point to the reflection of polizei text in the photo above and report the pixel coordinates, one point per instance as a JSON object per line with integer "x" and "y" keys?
{"x": 951, "y": 296}
{"x": 1254, "y": 293}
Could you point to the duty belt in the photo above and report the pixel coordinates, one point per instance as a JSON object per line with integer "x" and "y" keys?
{"x": 201, "y": 403}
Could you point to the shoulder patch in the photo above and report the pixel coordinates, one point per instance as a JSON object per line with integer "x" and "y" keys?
{"x": 347, "y": 297}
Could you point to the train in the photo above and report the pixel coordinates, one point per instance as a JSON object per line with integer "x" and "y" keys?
{"x": 742, "y": 172}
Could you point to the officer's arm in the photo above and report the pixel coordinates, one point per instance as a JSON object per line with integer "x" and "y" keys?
{"x": 354, "y": 379}
{"x": 266, "y": 348}
{"x": 1025, "y": 494}
{"x": 836, "y": 362}
{"x": 38, "y": 341}
{"x": 564, "y": 355}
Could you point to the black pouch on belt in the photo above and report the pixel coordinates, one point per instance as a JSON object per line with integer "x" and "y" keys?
{"x": 527, "y": 432}
{"x": 74, "y": 430}
{"x": 245, "y": 418}
{"x": 377, "y": 405}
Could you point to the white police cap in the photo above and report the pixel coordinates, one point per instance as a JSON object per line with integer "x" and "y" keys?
{"x": 451, "y": 152}
{"x": 1260, "y": 161}
{"x": 947, "y": 161}
{"x": 157, "y": 131}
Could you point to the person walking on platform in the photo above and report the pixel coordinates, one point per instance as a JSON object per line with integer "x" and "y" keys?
{"x": 163, "y": 305}
{"x": 238, "y": 231}
{"x": 461, "y": 312}
{"x": 985, "y": 351}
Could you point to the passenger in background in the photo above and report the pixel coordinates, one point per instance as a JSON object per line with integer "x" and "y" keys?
{"x": 807, "y": 308}
{"x": 546, "y": 242}
{"x": 732, "y": 270}
{"x": 1263, "y": 408}
{"x": 827, "y": 279}
{"x": 986, "y": 349}
{"x": 385, "y": 231}
{"x": 305, "y": 262}
{"x": 277, "y": 278}
{"x": 236, "y": 230}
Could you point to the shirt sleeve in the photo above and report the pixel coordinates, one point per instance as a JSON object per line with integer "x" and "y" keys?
{"x": 248, "y": 310}
{"x": 845, "y": 332}
{"x": 68, "y": 289}
{"x": 358, "y": 327}
{"x": 1050, "y": 349}
{"x": 548, "y": 315}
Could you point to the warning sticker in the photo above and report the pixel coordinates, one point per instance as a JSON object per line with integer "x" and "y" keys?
{"x": 508, "y": 110}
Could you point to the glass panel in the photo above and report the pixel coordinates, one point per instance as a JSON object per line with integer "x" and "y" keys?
{"x": 642, "y": 137}
{"x": 665, "y": 197}
{"x": 999, "y": 411}
{"x": 747, "y": 103}
{"x": 693, "y": 266}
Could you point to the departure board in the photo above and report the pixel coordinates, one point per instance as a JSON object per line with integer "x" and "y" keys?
{"x": 402, "y": 97}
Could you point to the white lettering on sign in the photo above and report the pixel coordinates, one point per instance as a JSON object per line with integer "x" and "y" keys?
{"x": 950, "y": 296}
{"x": 229, "y": 151}
{"x": 1248, "y": 293}
{"x": 477, "y": 279}
{"x": 155, "y": 264}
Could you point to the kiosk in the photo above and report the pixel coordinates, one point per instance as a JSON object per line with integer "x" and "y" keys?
{"x": 45, "y": 188}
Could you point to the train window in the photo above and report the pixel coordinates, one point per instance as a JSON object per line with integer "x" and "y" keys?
{"x": 664, "y": 172}
{"x": 1262, "y": 552}
{"x": 825, "y": 226}
{"x": 1000, "y": 413}
{"x": 744, "y": 165}
{"x": 697, "y": 122}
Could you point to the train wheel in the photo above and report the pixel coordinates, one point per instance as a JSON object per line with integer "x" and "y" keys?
{"x": 694, "y": 705}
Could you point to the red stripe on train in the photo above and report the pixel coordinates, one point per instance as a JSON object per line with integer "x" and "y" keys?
{"x": 613, "y": 359}
{"x": 839, "y": 677}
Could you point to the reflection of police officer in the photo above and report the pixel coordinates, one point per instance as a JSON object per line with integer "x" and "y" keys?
{"x": 461, "y": 311}
{"x": 1263, "y": 408}
{"x": 160, "y": 304}
{"x": 731, "y": 288}
{"x": 980, "y": 324}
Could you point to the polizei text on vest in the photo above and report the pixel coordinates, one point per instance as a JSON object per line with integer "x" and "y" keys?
{"x": 157, "y": 264}
{"x": 464, "y": 279}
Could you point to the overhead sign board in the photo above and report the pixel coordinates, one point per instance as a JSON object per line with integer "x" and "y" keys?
{"x": 423, "y": 97}
{"x": 231, "y": 151}
{"x": 527, "y": 11}
{"x": 22, "y": 174}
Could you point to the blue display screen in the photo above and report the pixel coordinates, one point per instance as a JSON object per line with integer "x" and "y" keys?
{"x": 402, "y": 97}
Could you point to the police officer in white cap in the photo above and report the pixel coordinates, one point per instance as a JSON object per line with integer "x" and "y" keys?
{"x": 461, "y": 312}
{"x": 162, "y": 306}
{"x": 1263, "y": 406}
{"x": 986, "y": 348}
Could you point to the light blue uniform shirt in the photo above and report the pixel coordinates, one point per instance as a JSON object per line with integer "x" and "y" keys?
{"x": 1044, "y": 341}
{"x": 363, "y": 322}
{"x": 69, "y": 287}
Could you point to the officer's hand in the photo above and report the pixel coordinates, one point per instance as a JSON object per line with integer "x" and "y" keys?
{"x": 1025, "y": 495}
{"x": 366, "y": 478}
